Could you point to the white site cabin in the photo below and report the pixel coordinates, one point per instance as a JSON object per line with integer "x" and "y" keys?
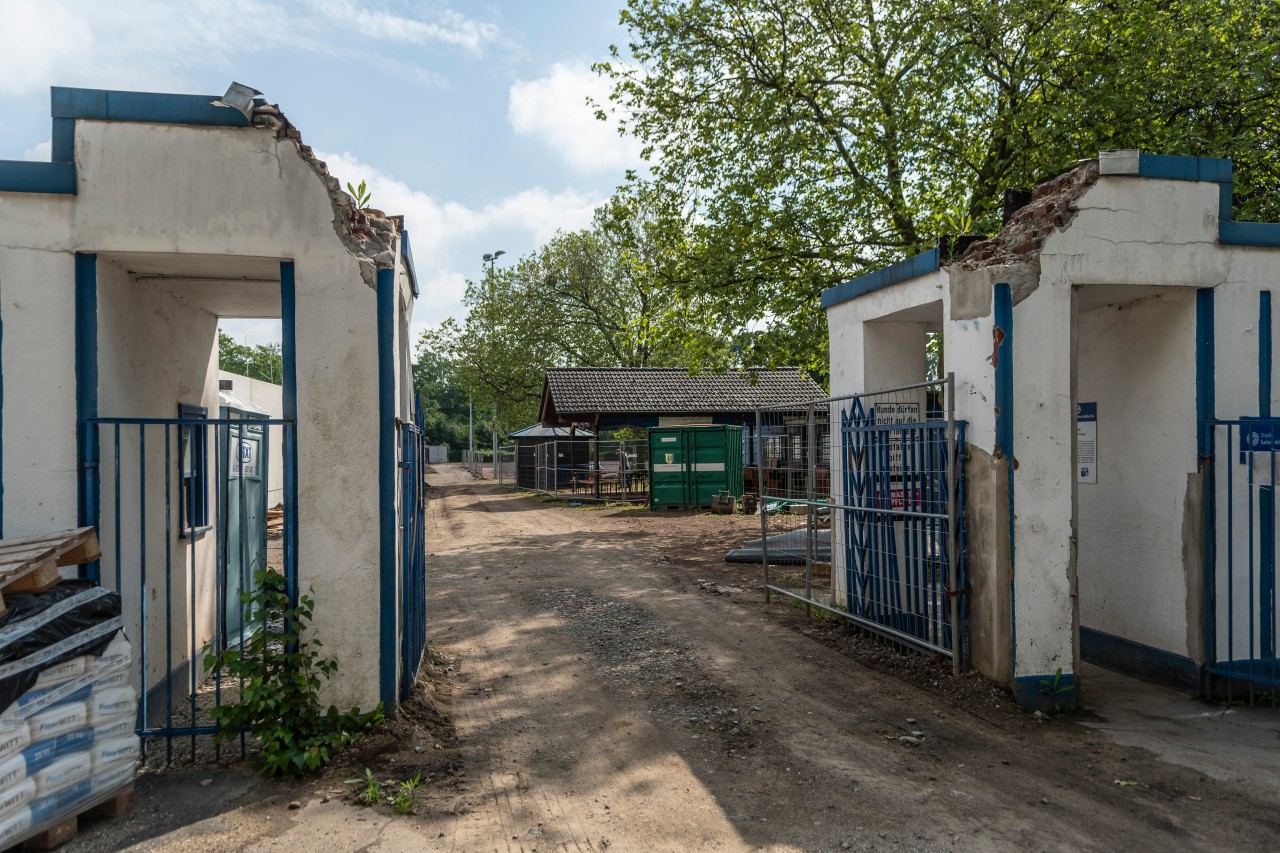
{"x": 158, "y": 216}
{"x": 1112, "y": 353}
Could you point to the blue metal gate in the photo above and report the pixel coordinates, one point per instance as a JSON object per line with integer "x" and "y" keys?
{"x": 1240, "y": 556}
{"x": 413, "y": 564}
{"x": 169, "y": 547}
{"x": 870, "y": 487}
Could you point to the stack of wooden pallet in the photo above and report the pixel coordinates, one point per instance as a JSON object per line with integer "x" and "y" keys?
{"x": 31, "y": 564}
{"x": 275, "y": 520}
{"x": 67, "y": 743}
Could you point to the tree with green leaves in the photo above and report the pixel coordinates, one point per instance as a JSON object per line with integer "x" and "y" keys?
{"x": 593, "y": 297}
{"x": 813, "y": 140}
{"x": 262, "y": 361}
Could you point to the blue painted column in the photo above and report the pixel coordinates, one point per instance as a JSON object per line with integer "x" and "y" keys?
{"x": 387, "y": 485}
{"x": 289, "y": 404}
{"x": 1003, "y": 356}
{"x": 86, "y": 331}
{"x": 1205, "y": 409}
{"x": 1264, "y": 354}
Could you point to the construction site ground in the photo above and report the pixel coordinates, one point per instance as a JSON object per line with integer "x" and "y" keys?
{"x": 600, "y": 679}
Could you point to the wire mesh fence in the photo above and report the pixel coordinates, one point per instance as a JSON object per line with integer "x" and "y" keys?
{"x": 587, "y": 470}
{"x": 475, "y": 462}
{"x": 504, "y": 466}
{"x": 862, "y": 506}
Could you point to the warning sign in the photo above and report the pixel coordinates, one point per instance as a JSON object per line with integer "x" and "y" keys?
{"x": 890, "y": 414}
{"x": 1086, "y": 442}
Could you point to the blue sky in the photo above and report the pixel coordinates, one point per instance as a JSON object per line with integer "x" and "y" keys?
{"x": 468, "y": 118}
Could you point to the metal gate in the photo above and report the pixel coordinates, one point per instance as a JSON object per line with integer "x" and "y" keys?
{"x": 173, "y": 500}
{"x": 413, "y": 564}
{"x": 1240, "y": 556}
{"x": 862, "y": 511}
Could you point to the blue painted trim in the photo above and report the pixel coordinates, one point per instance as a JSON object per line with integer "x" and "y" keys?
{"x": 154, "y": 107}
{"x": 1217, "y": 170}
{"x": 67, "y": 105}
{"x": 21, "y": 176}
{"x": 1179, "y": 168}
{"x": 1262, "y": 234}
{"x": 406, "y": 256}
{"x": 1264, "y": 354}
{"x": 289, "y": 406}
{"x": 86, "y": 343}
{"x": 1003, "y": 307}
{"x": 913, "y": 267}
{"x": 387, "y": 484}
{"x": 1206, "y": 406}
{"x": 1139, "y": 660}
{"x": 1205, "y": 385}
{"x": 1036, "y": 692}
{"x": 63, "y": 141}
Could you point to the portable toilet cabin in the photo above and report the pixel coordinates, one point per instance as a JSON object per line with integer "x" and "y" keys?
{"x": 690, "y": 465}
{"x": 243, "y": 466}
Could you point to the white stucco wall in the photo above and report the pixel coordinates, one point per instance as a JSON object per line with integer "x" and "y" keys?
{"x": 210, "y": 192}
{"x": 1135, "y": 573}
{"x": 155, "y": 351}
{"x": 1135, "y": 361}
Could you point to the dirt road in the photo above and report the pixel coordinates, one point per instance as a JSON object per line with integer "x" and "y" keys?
{"x": 602, "y": 680}
{"x": 604, "y": 698}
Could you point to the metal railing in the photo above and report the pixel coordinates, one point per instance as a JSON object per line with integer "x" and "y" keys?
{"x": 474, "y": 461}
{"x": 413, "y": 565}
{"x": 862, "y": 508}
{"x": 181, "y": 541}
{"x": 1242, "y": 598}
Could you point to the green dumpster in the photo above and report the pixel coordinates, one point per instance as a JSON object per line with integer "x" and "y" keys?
{"x": 689, "y": 465}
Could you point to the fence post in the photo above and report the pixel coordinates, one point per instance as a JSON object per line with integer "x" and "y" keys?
{"x": 811, "y": 516}
{"x": 953, "y": 497}
{"x": 764, "y": 513}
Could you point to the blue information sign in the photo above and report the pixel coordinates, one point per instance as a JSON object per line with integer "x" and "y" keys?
{"x": 1259, "y": 435}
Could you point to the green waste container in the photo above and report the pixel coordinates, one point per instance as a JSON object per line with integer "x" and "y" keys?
{"x": 689, "y": 465}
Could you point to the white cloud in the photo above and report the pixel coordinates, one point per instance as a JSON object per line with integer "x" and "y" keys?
{"x": 450, "y": 28}
{"x": 41, "y": 152}
{"x": 554, "y": 110}
{"x": 449, "y": 238}
{"x": 161, "y": 45}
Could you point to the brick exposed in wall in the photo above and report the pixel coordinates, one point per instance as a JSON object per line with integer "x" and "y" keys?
{"x": 1052, "y": 207}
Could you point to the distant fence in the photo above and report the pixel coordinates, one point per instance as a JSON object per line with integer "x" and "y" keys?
{"x": 474, "y": 462}
{"x": 578, "y": 470}
{"x": 437, "y": 454}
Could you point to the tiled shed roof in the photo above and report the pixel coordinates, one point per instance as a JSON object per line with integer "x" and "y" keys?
{"x": 570, "y": 392}
{"x": 540, "y": 431}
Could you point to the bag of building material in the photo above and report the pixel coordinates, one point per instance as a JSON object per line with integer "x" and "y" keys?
{"x": 14, "y": 737}
{"x": 41, "y": 631}
{"x": 67, "y": 708}
{"x": 15, "y": 796}
{"x": 62, "y": 773}
{"x": 60, "y": 719}
{"x": 107, "y": 706}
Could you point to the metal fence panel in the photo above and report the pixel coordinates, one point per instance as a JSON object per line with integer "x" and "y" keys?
{"x": 181, "y": 509}
{"x": 862, "y": 508}
{"x": 413, "y": 563}
{"x": 1242, "y": 605}
{"x": 595, "y": 470}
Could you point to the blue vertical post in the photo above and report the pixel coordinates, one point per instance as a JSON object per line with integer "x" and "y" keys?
{"x": 1264, "y": 354}
{"x": 1004, "y": 431}
{"x": 289, "y": 403}
{"x": 387, "y": 485}
{"x": 86, "y": 343}
{"x": 1205, "y": 408}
